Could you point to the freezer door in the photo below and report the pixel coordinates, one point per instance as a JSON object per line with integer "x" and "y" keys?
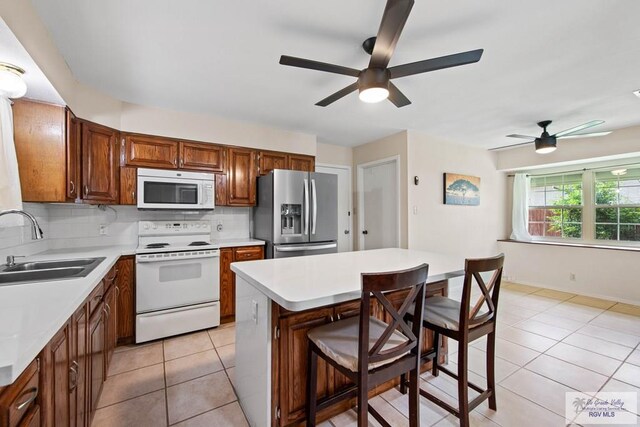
{"x": 324, "y": 207}
{"x": 291, "y": 200}
{"x": 287, "y": 251}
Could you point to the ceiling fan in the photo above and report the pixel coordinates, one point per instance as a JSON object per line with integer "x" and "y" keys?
{"x": 546, "y": 143}
{"x": 374, "y": 82}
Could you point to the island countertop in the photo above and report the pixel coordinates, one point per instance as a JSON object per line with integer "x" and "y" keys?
{"x": 301, "y": 283}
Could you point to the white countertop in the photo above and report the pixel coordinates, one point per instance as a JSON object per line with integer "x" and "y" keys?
{"x": 302, "y": 283}
{"x": 234, "y": 243}
{"x": 32, "y": 313}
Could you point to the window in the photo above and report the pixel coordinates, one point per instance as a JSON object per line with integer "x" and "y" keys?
{"x": 617, "y": 204}
{"x": 555, "y": 206}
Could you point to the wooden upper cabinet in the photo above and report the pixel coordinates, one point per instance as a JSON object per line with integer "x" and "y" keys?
{"x": 298, "y": 162}
{"x": 221, "y": 190}
{"x": 39, "y": 135}
{"x": 270, "y": 160}
{"x": 202, "y": 157}
{"x": 100, "y": 174}
{"x": 241, "y": 177}
{"x": 73, "y": 142}
{"x": 150, "y": 151}
{"x": 128, "y": 185}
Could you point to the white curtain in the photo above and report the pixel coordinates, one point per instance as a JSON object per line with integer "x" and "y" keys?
{"x": 520, "y": 216}
{"x": 10, "y": 195}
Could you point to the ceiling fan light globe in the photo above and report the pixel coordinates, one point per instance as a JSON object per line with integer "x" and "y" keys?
{"x": 373, "y": 95}
{"x": 545, "y": 150}
{"x": 11, "y": 83}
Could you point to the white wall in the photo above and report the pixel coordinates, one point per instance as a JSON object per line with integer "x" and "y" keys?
{"x": 466, "y": 231}
{"x": 604, "y": 273}
{"x": 330, "y": 154}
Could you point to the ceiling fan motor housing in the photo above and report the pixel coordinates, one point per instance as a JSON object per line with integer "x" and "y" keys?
{"x": 373, "y": 78}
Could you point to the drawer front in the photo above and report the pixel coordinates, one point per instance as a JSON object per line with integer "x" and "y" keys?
{"x": 32, "y": 418}
{"x": 95, "y": 299}
{"x": 18, "y": 398}
{"x": 110, "y": 279}
{"x": 249, "y": 253}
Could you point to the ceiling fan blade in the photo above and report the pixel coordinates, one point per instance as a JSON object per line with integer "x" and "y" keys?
{"x": 397, "y": 97}
{"x": 579, "y": 128}
{"x": 434, "y": 64}
{"x": 504, "y": 147}
{"x": 515, "y": 135}
{"x": 395, "y": 16}
{"x": 316, "y": 65}
{"x": 339, "y": 94}
{"x": 584, "y": 135}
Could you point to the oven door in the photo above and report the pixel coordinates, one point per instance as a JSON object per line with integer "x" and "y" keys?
{"x": 174, "y": 193}
{"x": 176, "y": 279}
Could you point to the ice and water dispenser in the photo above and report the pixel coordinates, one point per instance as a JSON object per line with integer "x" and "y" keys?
{"x": 291, "y": 219}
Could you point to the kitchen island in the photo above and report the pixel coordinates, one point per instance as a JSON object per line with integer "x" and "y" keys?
{"x": 279, "y": 300}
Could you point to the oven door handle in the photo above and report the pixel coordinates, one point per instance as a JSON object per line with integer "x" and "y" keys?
{"x": 144, "y": 259}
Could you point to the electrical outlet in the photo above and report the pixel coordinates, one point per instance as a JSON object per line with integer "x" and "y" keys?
{"x": 104, "y": 230}
{"x": 572, "y": 277}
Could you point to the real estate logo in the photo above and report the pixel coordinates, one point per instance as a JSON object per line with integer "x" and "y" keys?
{"x": 605, "y": 408}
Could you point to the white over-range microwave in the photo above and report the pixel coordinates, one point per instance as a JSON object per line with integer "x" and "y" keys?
{"x": 178, "y": 190}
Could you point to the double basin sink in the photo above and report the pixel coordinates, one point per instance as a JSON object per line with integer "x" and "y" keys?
{"x": 43, "y": 271}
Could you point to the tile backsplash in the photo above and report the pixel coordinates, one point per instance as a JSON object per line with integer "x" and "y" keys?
{"x": 68, "y": 225}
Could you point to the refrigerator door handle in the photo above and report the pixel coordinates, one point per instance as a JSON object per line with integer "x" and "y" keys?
{"x": 314, "y": 197}
{"x": 298, "y": 248}
{"x": 306, "y": 206}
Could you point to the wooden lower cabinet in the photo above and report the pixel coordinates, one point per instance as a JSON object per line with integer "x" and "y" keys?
{"x": 228, "y": 277}
{"x": 125, "y": 304}
{"x": 56, "y": 374}
{"x": 19, "y": 400}
{"x": 110, "y": 325}
{"x": 289, "y": 358}
{"x": 31, "y": 418}
{"x": 79, "y": 363}
{"x": 95, "y": 365}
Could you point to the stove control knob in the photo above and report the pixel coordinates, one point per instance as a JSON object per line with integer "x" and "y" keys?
{"x": 155, "y": 226}
{"x": 146, "y": 226}
{"x": 197, "y": 225}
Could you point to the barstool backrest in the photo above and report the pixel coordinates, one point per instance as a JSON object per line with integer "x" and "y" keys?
{"x": 471, "y": 316}
{"x": 375, "y": 285}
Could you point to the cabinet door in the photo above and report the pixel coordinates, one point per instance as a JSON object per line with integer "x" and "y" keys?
{"x": 293, "y": 363}
{"x": 95, "y": 375}
{"x": 227, "y": 286}
{"x": 221, "y": 190}
{"x": 73, "y": 136}
{"x": 150, "y": 151}
{"x": 39, "y": 137}
{"x": 110, "y": 325}
{"x": 100, "y": 177}
{"x": 78, "y": 386}
{"x": 242, "y": 177}
{"x": 125, "y": 304}
{"x": 56, "y": 371}
{"x": 19, "y": 398}
{"x": 202, "y": 157}
{"x": 32, "y": 418}
{"x": 298, "y": 162}
{"x": 270, "y": 160}
{"x": 128, "y": 185}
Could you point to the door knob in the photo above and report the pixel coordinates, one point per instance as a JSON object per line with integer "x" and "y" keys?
{"x": 346, "y": 231}
{"x": 365, "y": 232}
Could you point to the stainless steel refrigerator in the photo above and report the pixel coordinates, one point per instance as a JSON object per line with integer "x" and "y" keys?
{"x": 297, "y": 213}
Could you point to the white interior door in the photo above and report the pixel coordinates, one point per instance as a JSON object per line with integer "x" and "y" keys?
{"x": 345, "y": 239}
{"x": 378, "y": 204}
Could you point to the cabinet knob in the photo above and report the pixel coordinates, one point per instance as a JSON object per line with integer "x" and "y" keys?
{"x": 86, "y": 189}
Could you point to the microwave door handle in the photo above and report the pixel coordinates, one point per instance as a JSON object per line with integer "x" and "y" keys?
{"x": 200, "y": 194}
{"x": 306, "y": 206}
{"x": 314, "y": 197}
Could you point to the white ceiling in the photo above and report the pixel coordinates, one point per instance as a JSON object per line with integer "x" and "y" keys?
{"x": 571, "y": 61}
{"x": 12, "y": 52}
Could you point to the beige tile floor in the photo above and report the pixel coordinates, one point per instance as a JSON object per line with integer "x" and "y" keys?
{"x": 549, "y": 343}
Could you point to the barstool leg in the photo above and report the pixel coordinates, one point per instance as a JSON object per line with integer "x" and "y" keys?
{"x": 491, "y": 360}
{"x": 463, "y": 384}
{"x": 414, "y": 397}
{"x": 403, "y": 383}
{"x": 436, "y": 344}
{"x": 312, "y": 386}
{"x": 363, "y": 399}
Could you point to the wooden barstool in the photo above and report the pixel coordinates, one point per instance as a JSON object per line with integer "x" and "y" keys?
{"x": 368, "y": 351}
{"x": 459, "y": 321}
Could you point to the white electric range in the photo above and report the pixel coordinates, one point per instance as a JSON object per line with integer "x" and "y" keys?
{"x": 177, "y": 279}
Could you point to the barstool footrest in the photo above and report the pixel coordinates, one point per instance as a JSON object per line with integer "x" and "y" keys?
{"x": 455, "y": 376}
{"x": 377, "y": 416}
